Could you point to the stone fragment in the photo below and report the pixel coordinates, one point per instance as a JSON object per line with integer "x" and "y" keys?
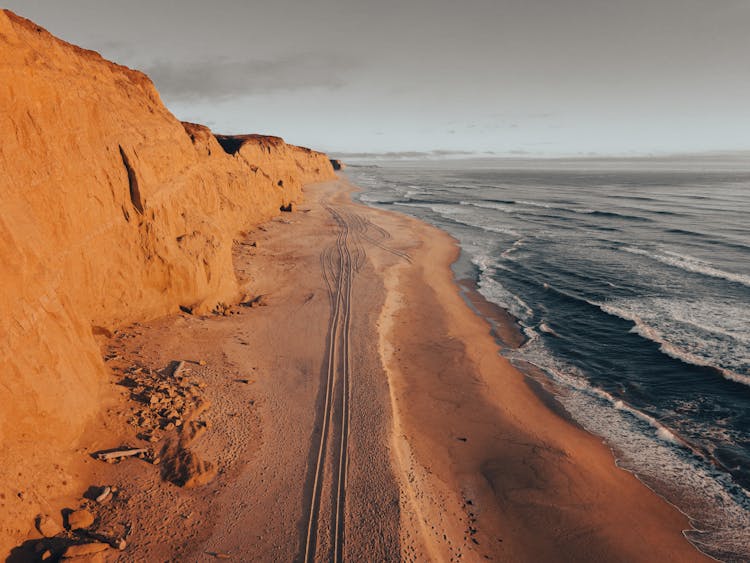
{"x": 47, "y": 526}
{"x": 80, "y": 519}
{"x": 84, "y": 549}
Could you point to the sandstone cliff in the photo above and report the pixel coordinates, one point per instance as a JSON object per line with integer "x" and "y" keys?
{"x": 113, "y": 211}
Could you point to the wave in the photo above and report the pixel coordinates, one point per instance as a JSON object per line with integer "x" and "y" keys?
{"x": 712, "y": 238}
{"x": 515, "y": 246}
{"x": 662, "y": 212}
{"x": 537, "y": 204}
{"x": 611, "y": 214}
{"x": 537, "y": 354}
{"x": 689, "y": 264}
{"x": 455, "y": 214}
{"x": 651, "y": 333}
{"x": 488, "y": 205}
{"x": 546, "y": 329}
{"x": 634, "y": 197}
{"x": 686, "y": 232}
{"x": 505, "y": 207}
{"x": 731, "y": 335}
{"x": 505, "y": 201}
{"x": 496, "y": 292}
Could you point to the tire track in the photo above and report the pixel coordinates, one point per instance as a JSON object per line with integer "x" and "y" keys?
{"x": 338, "y": 273}
{"x": 339, "y": 262}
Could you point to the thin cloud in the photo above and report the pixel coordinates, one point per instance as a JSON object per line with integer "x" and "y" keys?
{"x": 411, "y": 155}
{"x": 222, "y": 79}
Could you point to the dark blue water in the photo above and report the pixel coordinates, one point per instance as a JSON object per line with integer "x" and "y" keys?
{"x": 632, "y": 283}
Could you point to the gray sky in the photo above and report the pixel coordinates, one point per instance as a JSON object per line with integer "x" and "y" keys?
{"x": 505, "y": 76}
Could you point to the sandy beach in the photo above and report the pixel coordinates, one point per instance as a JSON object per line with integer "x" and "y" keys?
{"x": 353, "y": 321}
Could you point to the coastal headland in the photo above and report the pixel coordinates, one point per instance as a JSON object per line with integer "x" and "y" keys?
{"x": 297, "y": 376}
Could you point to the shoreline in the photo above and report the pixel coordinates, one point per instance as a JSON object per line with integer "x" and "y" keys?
{"x": 706, "y": 531}
{"x": 451, "y": 451}
{"x": 506, "y": 329}
{"x": 495, "y": 331}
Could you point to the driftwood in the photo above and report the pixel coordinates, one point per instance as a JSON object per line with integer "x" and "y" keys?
{"x": 118, "y": 454}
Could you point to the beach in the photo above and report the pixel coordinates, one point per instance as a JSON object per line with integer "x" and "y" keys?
{"x": 456, "y": 335}
{"x": 355, "y": 321}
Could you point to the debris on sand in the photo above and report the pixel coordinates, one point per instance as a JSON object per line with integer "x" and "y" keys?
{"x": 181, "y": 465}
{"x": 257, "y": 301}
{"x": 114, "y": 455}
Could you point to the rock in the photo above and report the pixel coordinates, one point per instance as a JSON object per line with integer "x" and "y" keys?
{"x": 84, "y": 549}
{"x": 47, "y": 526}
{"x": 80, "y": 519}
{"x": 286, "y": 208}
{"x": 104, "y": 495}
{"x": 337, "y": 164}
{"x": 258, "y": 301}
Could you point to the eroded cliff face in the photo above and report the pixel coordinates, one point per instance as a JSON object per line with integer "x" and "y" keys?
{"x": 113, "y": 211}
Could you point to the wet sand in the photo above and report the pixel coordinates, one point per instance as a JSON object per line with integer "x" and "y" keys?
{"x": 360, "y": 410}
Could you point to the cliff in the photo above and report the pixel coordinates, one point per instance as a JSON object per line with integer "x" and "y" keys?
{"x": 113, "y": 211}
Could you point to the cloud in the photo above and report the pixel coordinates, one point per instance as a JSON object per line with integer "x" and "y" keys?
{"x": 226, "y": 78}
{"x": 411, "y": 155}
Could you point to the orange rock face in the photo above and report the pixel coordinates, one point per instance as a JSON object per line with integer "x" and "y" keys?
{"x": 113, "y": 211}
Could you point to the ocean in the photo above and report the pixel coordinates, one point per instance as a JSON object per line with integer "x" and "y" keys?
{"x": 630, "y": 280}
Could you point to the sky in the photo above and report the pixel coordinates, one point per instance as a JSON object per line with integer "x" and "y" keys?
{"x": 504, "y": 77}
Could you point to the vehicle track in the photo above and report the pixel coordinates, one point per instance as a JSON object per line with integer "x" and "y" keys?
{"x": 339, "y": 261}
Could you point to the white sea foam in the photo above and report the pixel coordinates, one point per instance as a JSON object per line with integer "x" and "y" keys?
{"x": 546, "y": 329}
{"x": 689, "y": 264}
{"x": 489, "y": 205}
{"x": 534, "y": 203}
{"x": 495, "y": 292}
{"x": 516, "y": 245}
{"x": 369, "y": 198}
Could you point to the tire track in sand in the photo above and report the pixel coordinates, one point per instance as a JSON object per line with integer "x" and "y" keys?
{"x": 339, "y": 265}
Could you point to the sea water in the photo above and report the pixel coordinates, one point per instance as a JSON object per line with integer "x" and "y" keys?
{"x": 631, "y": 282}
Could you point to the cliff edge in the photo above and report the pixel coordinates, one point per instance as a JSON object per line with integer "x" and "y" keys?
{"x": 113, "y": 211}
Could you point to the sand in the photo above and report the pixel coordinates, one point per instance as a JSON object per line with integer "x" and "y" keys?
{"x": 450, "y": 454}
